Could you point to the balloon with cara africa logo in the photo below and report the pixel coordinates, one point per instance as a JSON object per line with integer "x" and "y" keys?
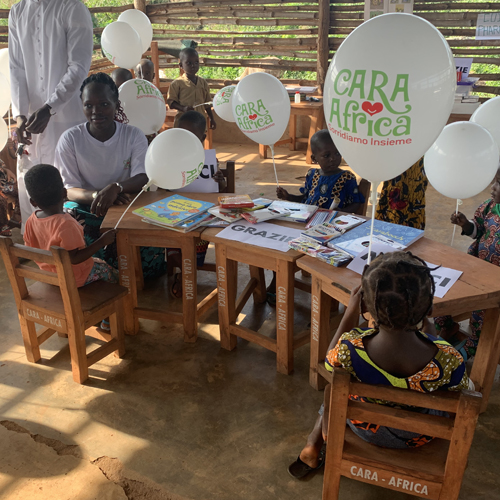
{"x": 4, "y": 63}
{"x": 261, "y": 108}
{"x": 141, "y": 23}
{"x": 223, "y": 103}
{"x": 143, "y": 104}
{"x": 121, "y": 44}
{"x": 488, "y": 116}
{"x": 174, "y": 159}
{"x": 462, "y": 161}
{"x": 388, "y": 94}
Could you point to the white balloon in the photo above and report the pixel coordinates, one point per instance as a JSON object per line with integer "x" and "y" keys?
{"x": 4, "y": 134}
{"x": 141, "y": 23}
{"x": 389, "y": 92}
{"x": 143, "y": 104}
{"x": 488, "y": 116}
{"x": 4, "y": 63}
{"x": 121, "y": 44}
{"x": 261, "y": 108}
{"x": 174, "y": 159}
{"x": 223, "y": 103}
{"x": 4, "y": 94}
{"x": 462, "y": 161}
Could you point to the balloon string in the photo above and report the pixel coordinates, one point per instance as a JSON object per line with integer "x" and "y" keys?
{"x": 274, "y": 165}
{"x": 202, "y": 104}
{"x": 374, "y": 206}
{"x": 454, "y": 225}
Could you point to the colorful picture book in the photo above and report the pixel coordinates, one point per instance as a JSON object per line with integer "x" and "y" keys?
{"x": 357, "y": 239}
{"x": 173, "y": 210}
{"x": 323, "y": 233}
{"x": 332, "y": 256}
{"x": 237, "y": 201}
{"x": 346, "y": 222}
{"x": 226, "y": 216}
{"x": 186, "y": 226}
{"x": 299, "y": 212}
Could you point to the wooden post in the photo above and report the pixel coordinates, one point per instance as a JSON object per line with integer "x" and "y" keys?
{"x": 323, "y": 48}
{"x": 140, "y": 5}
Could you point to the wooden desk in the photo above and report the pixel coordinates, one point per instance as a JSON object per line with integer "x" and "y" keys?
{"x": 477, "y": 288}
{"x": 228, "y": 254}
{"x": 307, "y": 108}
{"x": 132, "y": 232}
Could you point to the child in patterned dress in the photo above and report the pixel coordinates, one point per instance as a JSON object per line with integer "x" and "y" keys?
{"x": 484, "y": 229}
{"x": 329, "y": 186}
{"x": 397, "y": 289}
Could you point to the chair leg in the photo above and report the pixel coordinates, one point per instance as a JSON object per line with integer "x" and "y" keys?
{"x": 78, "y": 352}
{"x": 116, "y": 326}
{"x": 30, "y": 340}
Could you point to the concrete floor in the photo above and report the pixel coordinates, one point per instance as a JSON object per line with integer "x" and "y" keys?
{"x": 187, "y": 421}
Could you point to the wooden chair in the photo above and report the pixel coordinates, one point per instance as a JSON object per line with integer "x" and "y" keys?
{"x": 433, "y": 471}
{"x": 56, "y": 303}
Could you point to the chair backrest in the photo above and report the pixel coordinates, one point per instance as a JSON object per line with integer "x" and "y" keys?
{"x": 229, "y": 174}
{"x": 364, "y": 188}
{"x": 63, "y": 278}
{"x": 457, "y": 429}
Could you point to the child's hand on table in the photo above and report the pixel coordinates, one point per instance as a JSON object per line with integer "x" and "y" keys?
{"x": 282, "y": 194}
{"x": 459, "y": 219}
{"x": 219, "y": 178}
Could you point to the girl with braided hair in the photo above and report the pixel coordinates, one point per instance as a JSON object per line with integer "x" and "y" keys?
{"x": 397, "y": 290}
{"x": 101, "y": 162}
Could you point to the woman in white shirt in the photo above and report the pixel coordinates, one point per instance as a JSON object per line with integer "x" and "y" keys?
{"x": 101, "y": 161}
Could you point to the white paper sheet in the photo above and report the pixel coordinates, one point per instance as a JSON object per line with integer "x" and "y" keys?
{"x": 444, "y": 277}
{"x": 488, "y": 26}
{"x": 204, "y": 183}
{"x": 262, "y": 235}
{"x": 463, "y": 64}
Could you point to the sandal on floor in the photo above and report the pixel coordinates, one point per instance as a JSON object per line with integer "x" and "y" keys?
{"x": 300, "y": 469}
{"x": 176, "y": 288}
{"x": 105, "y": 325}
{"x": 271, "y": 298}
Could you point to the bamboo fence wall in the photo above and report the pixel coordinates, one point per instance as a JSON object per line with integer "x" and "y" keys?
{"x": 300, "y": 37}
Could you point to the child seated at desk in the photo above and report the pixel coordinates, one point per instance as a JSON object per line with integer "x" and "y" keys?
{"x": 189, "y": 90}
{"x": 52, "y": 226}
{"x": 195, "y": 123}
{"x": 329, "y": 186}
{"x": 484, "y": 229}
{"x": 397, "y": 289}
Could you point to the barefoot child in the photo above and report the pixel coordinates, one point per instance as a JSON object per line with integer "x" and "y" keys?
{"x": 484, "y": 229}
{"x": 51, "y": 226}
{"x": 397, "y": 290}
{"x": 328, "y": 186}
{"x": 189, "y": 90}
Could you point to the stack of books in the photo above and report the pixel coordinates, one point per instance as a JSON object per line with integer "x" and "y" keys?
{"x": 177, "y": 213}
{"x": 337, "y": 242}
{"x": 233, "y": 208}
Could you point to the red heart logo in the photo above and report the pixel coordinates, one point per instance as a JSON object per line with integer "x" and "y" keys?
{"x": 252, "y": 117}
{"x": 372, "y": 109}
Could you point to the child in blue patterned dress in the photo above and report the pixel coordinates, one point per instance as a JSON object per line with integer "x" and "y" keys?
{"x": 329, "y": 186}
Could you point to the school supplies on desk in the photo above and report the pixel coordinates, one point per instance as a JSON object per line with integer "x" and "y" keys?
{"x": 323, "y": 233}
{"x": 237, "y": 201}
{"x": 264, "y": 214}
{"x": 332, "y": 256}
{"x": 299, "y": 212}
{"x": 321, "y": 216}
{"x": 227, "y": 216}
{"x": 173, "y": 210}
{"x": 186, "y": 226}
{"x": 357, "y": 239}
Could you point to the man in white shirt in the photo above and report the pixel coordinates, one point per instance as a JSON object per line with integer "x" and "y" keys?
{"x": 50, "y": 51}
